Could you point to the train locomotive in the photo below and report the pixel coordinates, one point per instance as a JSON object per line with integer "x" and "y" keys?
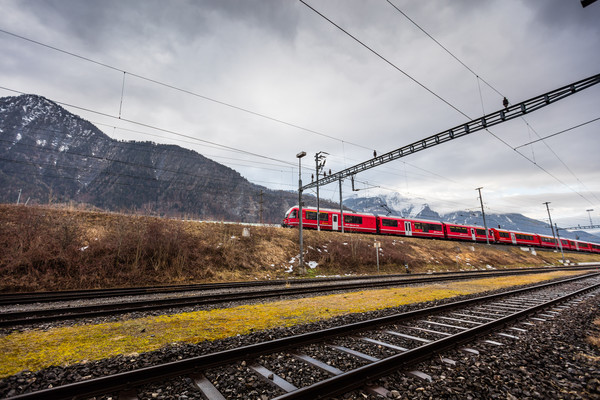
{"x": 330, "y": 220}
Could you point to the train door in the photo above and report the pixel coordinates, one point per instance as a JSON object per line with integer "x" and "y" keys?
{"x": 513, "y": 238}
{"x": 473, "y": 233}
{"x": 334, "y": 222}
{"x": 407, "y": 228}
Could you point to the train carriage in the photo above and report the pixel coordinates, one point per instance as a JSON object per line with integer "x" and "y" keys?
{"x": 309, "y": 219}
{"x": 330, "y": 220}
{"x": 582, "y": 246}
{"x": 469, "y": 233}
{"x": 564, "y": 244}
{"x": 548, "y": 242}
{"x": 518, "y": 238}
{"x": 410, "y": 227}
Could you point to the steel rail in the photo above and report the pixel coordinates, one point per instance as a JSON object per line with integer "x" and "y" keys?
{"x": 128, "y": 380}
{"x": 13, "y": 318}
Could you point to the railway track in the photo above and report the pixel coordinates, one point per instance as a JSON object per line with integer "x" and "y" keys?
{"x": 369, "y": 349}
{"x": 67, "y": 295}
{"x": 204, "y": 295}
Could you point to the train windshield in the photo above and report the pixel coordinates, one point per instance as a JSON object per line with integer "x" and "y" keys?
{"x": 292, "y": 214}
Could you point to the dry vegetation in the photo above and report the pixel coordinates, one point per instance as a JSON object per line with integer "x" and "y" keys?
{"x": 54, "y": 248}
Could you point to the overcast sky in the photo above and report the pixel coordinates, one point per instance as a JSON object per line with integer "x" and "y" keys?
{"x": 273, "y": 78}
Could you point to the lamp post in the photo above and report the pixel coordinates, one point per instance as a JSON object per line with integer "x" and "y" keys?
{"x": 301, "y": 263}
{"x": 320, "y": 156}
{"x": 589, "y": 213}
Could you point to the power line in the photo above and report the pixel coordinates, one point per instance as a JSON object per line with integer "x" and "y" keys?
{"x": 498, "y": 92}
{"x": 172, "y": 87}
{"x": 159, "y": 129}
{"x": 437, "y": 96}
{"x": 442, "y": 46}
{"x": 557, "y": 133}
{"x": 384, "y": 59}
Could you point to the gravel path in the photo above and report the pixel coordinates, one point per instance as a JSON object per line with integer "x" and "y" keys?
{"x": 552, "y": 360}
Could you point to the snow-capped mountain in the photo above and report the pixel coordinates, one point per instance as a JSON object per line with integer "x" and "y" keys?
{"x": 393, "y": 204}
{"x": 397, "y": 205}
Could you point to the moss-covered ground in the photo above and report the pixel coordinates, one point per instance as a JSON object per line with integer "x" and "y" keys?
{"x": 35, "y": 349}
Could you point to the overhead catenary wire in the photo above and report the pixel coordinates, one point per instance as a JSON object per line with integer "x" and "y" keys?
{"x": 440, "y": 98}
{"x": 159, "y": 129}
{"x": 494, "y": 89}
{"x": 557, "y": 133}
{"x": 173, "y": 87}
{"x": 445, "y": 49}
{"x": 383, "y": 58}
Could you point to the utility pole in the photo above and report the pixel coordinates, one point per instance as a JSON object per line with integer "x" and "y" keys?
{"x": 19, "y": 198}
{"x": 261, "y": 207}
{"x": 301, "y": 262}
{"x": 487, "y": 239}
{"x": 561, "y": 248}
{"x": 341, "y": 207}
{"x": 550, "y": 218}
{"x": 320, "y": 156}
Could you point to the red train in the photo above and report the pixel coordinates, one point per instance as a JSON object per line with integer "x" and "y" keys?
{"x": 329, "y": 220}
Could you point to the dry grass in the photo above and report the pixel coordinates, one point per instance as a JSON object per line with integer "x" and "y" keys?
{"x": 34, "y": 350}
{"x": 57, "y": 249}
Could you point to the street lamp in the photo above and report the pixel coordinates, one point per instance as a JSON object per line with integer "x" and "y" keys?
{"x": 299, "y": 157}
{"x": 589, "y": 213}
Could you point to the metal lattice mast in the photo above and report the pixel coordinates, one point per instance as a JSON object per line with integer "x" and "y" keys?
{"x": 495, "y": 118}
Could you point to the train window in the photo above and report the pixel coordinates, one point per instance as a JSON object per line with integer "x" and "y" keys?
{"x": 504, "y": 235}
{"x": 458, "y": 229}
{"x": 481, "y": 232}
{"x": 311, "y": 215}
{"x": 389, "y": 222}
{"x": 427, "y": 227}
{"x": 524, "y": 237}
{"x": 293, "y": 214}
{"x": 324, "y": 216}
{"x": 548, "y": 240}
{"x": 352, "y": 219}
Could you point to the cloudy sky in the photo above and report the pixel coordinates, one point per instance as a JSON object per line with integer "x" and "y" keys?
{"x": 252, "y": 83}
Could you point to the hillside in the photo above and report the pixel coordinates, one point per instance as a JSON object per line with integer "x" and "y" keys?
{"x": 48, "y": 155}
{"x": 56, "y": 249}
